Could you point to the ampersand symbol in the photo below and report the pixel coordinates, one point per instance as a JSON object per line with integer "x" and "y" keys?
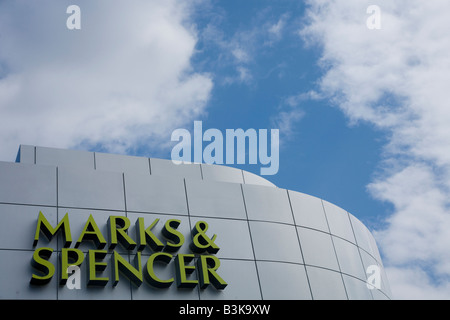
{"x": 201, "y": 242}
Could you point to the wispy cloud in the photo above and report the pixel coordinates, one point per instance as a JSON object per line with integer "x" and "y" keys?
{"x": 276, "y": 30}
{"x": 123, "y": 81}
{"x": 397, "y": 79}
{"x": 239, "y": 49}
{"x": 289, "y": 113}
{"x": 286, "y": 121}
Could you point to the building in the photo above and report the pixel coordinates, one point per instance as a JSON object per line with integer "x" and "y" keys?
{"x": 125, "y": 223}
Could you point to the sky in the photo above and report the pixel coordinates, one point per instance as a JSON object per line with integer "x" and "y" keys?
{"x": 362, "y": 112}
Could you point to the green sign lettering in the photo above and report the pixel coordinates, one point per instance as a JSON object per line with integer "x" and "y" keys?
{"x": 151, "y": 277}
{"x": 183, "y": 264}
{"x": 201, "y": 242}
{"x": 95, "y": 266}
{"x": 146, "y": 236}
{"x": 176, "y": 238}
{"x": 91, "y": 232}
{"x": 208, "y": 266}
{"x": 41, "y": 263}
{"x": 183, "y": 270}
{"x": 133, "y": 274}
{"x": 120, "y": 234}
{"x": 47, "y": 229}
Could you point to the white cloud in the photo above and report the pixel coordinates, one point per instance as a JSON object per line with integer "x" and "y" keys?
{"x": 240, "y": 54}
{"x": 397, "y": 78}
{"x": 275, "y": 31}
{"x": 123, "y": 81}
{"x": 289, "y": 113}
{"x": 414, "y": 284}
{"x": 296, "y": 100}
{"x": 240, "y": 48}
{"x": 286, "y": 120}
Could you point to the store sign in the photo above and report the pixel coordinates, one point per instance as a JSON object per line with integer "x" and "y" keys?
{"x": 205, "y": 248}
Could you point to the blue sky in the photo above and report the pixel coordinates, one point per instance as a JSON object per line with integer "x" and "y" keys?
{"x": 363, "y": 113}
{"x": 321, "y": 154}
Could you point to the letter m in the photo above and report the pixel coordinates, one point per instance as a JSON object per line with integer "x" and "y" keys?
{"x": 240, "y": 136}
{"x": 48, "y": 231}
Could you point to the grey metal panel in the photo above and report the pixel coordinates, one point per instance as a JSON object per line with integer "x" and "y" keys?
{"x": 364, "y": 238}
{"x": 162, "y": 167}
{"x": 379, "y": 295}
{"x": 374, "y": 249}
{"x": 251, "y": 178}
{"x": 338, "y": 221}
{"x": 385, "y": 287}
{"x": 221, "y": 173}
{"x": 94, "y": 189}
{"x": 275, "y": 241}
{"x": 215, "y": 199}
{"x": 362, "y": 234}
{"x": 242, "y": 280}
{"x": 317, "y": 248}
{"x": 62, "y": 157}
{"x": 27, "y": 184}
{"x": 308, "y": 211}
{"x": 233, "y": 237}
{"x": 349, "y": 258}
{"x": 25, "y": 154}
{"x": 122, "y": 163}
{"x": 16, "y": 273}
{"x": 283, "y": 281}
{"x": 267, "y": 203}
{"x": 18, "y": 226}
{"x": 356, "y": 288}
{"x": 326, "y": 284}
{"x": 155, "y": 194}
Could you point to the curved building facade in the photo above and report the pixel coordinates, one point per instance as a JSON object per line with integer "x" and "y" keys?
{"x": 88, "y": 225}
